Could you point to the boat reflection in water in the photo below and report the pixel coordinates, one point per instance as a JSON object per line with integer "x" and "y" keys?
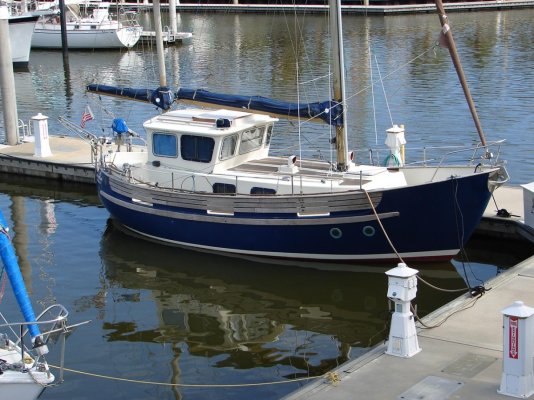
{"x": 218, "y": 305}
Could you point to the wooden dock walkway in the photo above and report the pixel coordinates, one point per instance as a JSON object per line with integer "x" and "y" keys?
{"x": 167, "y": 38}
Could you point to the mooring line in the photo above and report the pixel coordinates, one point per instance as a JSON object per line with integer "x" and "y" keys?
{"x": 193, "y": 385}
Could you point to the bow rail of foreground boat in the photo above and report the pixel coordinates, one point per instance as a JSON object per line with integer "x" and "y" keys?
{"x": 17, "y": 355}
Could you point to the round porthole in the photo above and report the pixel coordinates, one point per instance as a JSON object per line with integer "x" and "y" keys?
{"x": 336, "y": 233}
{"x": 368, "y": 231}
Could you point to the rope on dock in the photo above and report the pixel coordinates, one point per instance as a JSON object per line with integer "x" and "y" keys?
{"x": 425, "y": 326}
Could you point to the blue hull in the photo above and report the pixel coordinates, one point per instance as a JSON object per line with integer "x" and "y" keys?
{"x": 426, "y": 222}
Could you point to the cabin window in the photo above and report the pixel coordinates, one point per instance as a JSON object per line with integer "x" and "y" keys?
{"x": 250, "y": 140}
{"x": 225, "y": 188}
{"x": 164, "y": 145}
{"x": 269, "y": 134}
{"x": 228, "y": 147}
{"x": 196, "y": 148}
{"x": 262, "y": 190}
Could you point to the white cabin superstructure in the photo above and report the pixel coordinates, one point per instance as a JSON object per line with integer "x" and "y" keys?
{"x": 227, "y": 152}
{"x": 222, "y": 138}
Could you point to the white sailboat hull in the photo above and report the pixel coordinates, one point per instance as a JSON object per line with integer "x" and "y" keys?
{"x": 49, "y": 36}
{"x": 19, "y": 385}
{"x": 20, "y": 35}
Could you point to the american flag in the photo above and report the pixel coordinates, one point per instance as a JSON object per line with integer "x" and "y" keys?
{"x": 86, "y": 116}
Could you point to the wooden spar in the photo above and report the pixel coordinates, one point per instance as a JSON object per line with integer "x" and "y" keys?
{"x": 159, "y": 43}
{"x": 338, "y": 81}
{"x": 447, "y": 33}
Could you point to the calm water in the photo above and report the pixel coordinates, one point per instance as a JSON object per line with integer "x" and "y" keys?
{"x": 167, "y": 315}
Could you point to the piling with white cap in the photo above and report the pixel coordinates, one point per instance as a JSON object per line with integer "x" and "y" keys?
{"x": 402, "y": 288}
{"x": 7, "y": 82}
{"x": 40, "y": 130}
{"x": 518, "y": 374}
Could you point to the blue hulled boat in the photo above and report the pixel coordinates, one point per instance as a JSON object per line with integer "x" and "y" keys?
{"x": 205, "y": 180}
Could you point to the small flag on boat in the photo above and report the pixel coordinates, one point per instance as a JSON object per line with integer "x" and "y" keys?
{"x": 86, "y": 116}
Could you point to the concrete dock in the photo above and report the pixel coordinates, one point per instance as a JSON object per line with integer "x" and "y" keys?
{"x": 461, "y": 357}
{"x": 505, "y": 215}
{"x": 71, "y": 160}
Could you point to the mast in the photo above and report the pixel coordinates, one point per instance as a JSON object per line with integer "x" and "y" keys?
{"x": 159, "y": 43}
{"x": 338, "y": 81}
{"x": 447, "y": 33}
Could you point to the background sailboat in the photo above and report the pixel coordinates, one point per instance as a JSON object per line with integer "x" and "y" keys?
{"x": 20, "y": 35}
{"x": 89, "y": 25}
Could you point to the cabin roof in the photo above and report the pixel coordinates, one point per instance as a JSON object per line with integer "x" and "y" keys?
{"x": 204, "y": 122}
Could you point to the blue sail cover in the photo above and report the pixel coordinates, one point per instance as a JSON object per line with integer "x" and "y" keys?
{"x": 329, "y": 111}
{"x": 162, "y": 97}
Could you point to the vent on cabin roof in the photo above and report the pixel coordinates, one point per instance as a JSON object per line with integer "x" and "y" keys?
{"x": 223, "y": 123}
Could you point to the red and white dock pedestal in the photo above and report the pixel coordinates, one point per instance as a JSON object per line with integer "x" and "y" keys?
{"x": 518, "y": 374}
{"x": 42, "y": 141}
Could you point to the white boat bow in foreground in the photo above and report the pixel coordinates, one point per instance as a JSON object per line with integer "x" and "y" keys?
{"x": 24, "y": 371}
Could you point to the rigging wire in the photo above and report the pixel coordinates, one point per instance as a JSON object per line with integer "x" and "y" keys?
{"x": 373, "y": 94}
{"x": 298, "y": 98}
{"x": 381, "y": 79}
{"x": 383, "y": 90}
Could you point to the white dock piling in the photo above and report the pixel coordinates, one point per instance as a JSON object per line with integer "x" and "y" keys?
{"x": 42, "y": 141}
